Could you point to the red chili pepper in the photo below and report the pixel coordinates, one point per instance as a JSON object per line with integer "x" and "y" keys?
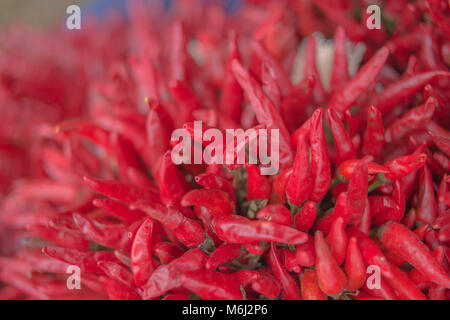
{"x": 319, "y": 93}
{"x": 214, "y": 181}
{"x": 258, "y": 186}
{"x": 66, "y": 238}
{"x": 168, "y": 276}
{"x": 245, "y": 276}
{"x": 337, "y": 240}
{"x": 289, "y": 287}
{"x": 238, "y": 229}
{"x": 403, "y": 285}
{"x": 374, "y": 135}
{"x": 435, "y": 10}
{"x": 332, "y": 279}
{"x": 141, "y": 253}
{"x": 341, "y": 209}
{"x": 427, "y": 207}
{"x": 405, "y": 243}
{"x": 404, "y": 165}
{"x": 166, "y": 252}
{"x": 339, "y": 73}
{"x": 117, "y": 290}
{"x": 299, "y": 186}
{"x": 289, "y": 260}
{"x": 342, "y": 141}
{"x": 346, "y": 168}
{"x": 344, "y": 98}
{"x": 320, "y": 162}
{"x": 266, "y": 285}
{"x": 276, "y": 213}
{"x": 354, "y": 267}
{"x": 383, "y": 209}
{"x": 214, "y": 200}
{"x": 279, "y": 186}
{"x": 306, "y": 216}
{"x": 223, "y": 254}
{"x": 384, "y": 292}
{"x": 310, "y": 286}
{"x": 118, "y": 210}
{"x": 305, "y": 253}
{"x": 403, "y": 89}
{"x": 117, "y": 272}
{"x": 442, "y": 142}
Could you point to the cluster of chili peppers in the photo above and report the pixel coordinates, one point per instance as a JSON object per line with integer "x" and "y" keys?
{"x": 87, "y": 178}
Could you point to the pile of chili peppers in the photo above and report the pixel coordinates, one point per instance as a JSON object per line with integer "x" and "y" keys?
{"x": 87, "y": 178}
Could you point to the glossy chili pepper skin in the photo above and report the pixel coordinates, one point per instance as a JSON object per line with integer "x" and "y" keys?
{"x": 258, "y": 187}
{"x": 405, "y": 243}
{"x": 342, "y": 140}
{"x": 276, "y": 213}
{"x": 332, "y": 279}
{"x": 427, "y": 208}
{"x": 373, "y": 140}
{"x": 289, "y": 286}
{"x": 354, "y": 267}
{"x": 237, "y": 229}
{"x": 306, "y": 216}
{"x": 402, "y": 166}
{"x": 223, "y": 254}
{"x": 337, "y": 240}
{"x": 310, "y": 286}
{"x": 141, "y": 253}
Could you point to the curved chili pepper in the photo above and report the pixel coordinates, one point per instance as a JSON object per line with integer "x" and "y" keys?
{"x": 332, "y": 279}
{"x": 342, "y": 141}
{"x": 214, "y": 181}
{"x": 141, "y": 253}
{"x": 166, "y": 252}
{"x": 383, "y": 209}
{"x": 306, "y": 216}
{"x": 266, "y": 285}
{"x": 320, "y": 162}
{"x": 227, "y": 252}
{"x": 341, "y": 209}
{"x": 289, "y": 286}
{"x": 354, "y": 267}
{"x": 299, "y": 186}
{"x": 337, "y": 240}
{"x": 168, "y": 276}
{"x": 346, "y": 168}
{"x": 66, "y": 238}
{"x": 344, "y": 98}
{"x": 214, "y": 200}
{"x": 310, "y": 286}
{"x": 118, "y": 210}
{"x": 211, "y": 285}
{"x": 403, "y": 285}
{"x": 289, "y": 260}
{"x": 117, "y": 272}
{"x": 305, "y": 253}
{"x": 276, "y": 213}
{"x": 384, "y": 292}
{"x": 402, "y": 241}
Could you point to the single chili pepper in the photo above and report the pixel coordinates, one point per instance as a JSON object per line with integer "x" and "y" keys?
{"x": 339, "y": 73}
{"x": 341, "y": 209}
{"x": 258, "y": 186}
{"x": 305, "y": 253}
{"x": 344, "y": 98}
{"x": 279, "y": 186}
{"x": 238, "y": 229}
{"x": 141, "y": 253}
{"x": 342, "y": 141}
{"x": 265, "y": 112}
{"x": 310, "y": 286}
{"x": 403, "y": 89}
{"x": 383, "y": 209}
{"x": 168, "y": 276}
{"x": 319, "y": 93}
{"x": 211, "y": 285}
{"x": 332, "y": 279}
{"x": 371, "y": 252}
{"x": 403, "y": 285}
{"x": 404, "y": 165}
{"x": 357, "y": 192}
{"x": 166, "y": 251}
{"x": 354, "y": 267}
{"x": 289, "y": 287}
{"x": 223, "y": 254}
{"x": 118, "y": 210}
{"x": 246, "y": 276}
{"x": 276, "y": 213}
{"x": 304, "y": 129}
{"x": 266, "y": 285}
{"x": 320, "y": 162}
{"x": 402, "y": 241}
{"x": 337, "y": 240}
{"x": 187, "y": 230}
{"x": 289, "y": 260}
{"x": 231, "y": 101}
{"x": 415, "y": 119}
{"x": 120, "y": 191}
{"x": 214, "y": 181}
{"x": 427, "y": 207}
{"x": 299, "y": 186}
{"x": 214, "y": 200}
{"x": 306, "y": 216}
{"x": 373, "y": 140}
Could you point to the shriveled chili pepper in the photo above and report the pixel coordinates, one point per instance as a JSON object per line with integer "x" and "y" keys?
{"x": 320, "y": 162}
{"x": 332, "y": 279}
{"x": 276, "y": 213}
{"x": 238, "y": 229}
{"x": 289, "y": 287}
{"x": 310, "y": 286}
{"x": 354, "y": 267}
{"x": 399, "y": 239}
{"x": 168, "y": 276}
{"x": 299, "y": 186}
{"x": 223, "y": 254}
{"x": 337, "y": 240}
{"x": 344, "y": 98}
{"x": 306, "y": 216}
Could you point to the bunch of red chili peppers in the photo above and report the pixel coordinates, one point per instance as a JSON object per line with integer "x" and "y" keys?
{"x": 363, "y": 189}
